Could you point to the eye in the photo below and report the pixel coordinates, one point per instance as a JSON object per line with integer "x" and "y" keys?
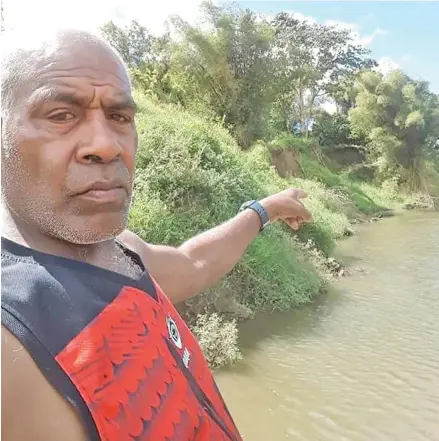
{"x": 120, "y": 118}
{"x": 61, "y": 116}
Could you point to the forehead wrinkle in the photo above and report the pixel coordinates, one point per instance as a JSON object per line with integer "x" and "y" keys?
{"x": 80, "y": 72}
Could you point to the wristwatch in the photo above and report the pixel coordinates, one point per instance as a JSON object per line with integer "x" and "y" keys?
{"x": 258, "y": 208}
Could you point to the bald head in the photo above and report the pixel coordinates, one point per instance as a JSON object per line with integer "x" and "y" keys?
{"x": 25, "y": 54}
{"x": 68, "y": 129}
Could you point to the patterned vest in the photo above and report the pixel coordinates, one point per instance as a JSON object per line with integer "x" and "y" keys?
{"x": 114, "y": 347}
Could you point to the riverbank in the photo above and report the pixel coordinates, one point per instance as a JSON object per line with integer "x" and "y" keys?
{"x": 191, "y": 175}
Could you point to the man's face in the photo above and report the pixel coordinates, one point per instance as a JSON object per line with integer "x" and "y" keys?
{"x": 69, "y": 169}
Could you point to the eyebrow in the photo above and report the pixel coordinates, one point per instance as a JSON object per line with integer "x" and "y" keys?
{"x": 122, "y": 101}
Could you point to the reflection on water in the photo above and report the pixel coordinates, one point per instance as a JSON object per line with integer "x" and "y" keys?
{"x": 362, "y": 363}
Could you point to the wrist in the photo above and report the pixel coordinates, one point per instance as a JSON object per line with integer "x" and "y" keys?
{"x": 271, "y": 209}
{"x": 258, "y": 209}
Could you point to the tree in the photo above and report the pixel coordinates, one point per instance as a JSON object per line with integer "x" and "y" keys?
{"x": 132, "y": 43}
{"x": 400, "y": 119}
{"x": 311, "y": 58}
{"x": 148, "y": 57}
{"x": 332, "y": 130}
{"x": 228, "y": 67}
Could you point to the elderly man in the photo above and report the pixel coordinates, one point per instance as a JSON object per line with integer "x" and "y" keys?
{"x": 92, "y": 347}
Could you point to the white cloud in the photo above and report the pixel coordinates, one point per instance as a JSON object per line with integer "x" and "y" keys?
{"x": 386, "y": 65}
{"x": 31, "y": 16}
{"x": 357, "y": 38}
{"x": 367, "y": 39}
{"x": 302, "y": 17}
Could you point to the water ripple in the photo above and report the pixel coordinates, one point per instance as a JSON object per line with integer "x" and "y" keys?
{"x": 367, "y": 367}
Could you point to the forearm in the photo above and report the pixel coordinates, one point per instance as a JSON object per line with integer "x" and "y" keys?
{"x": 216, "y": 251}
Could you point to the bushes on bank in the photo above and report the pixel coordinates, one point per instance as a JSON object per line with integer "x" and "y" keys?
{"x": 191, "y": 176}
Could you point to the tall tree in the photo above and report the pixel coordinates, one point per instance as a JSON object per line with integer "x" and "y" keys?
{"x": 311, "y": 58}
{"x": 231, "y": 62}
{"x": 148, "y": 57}
{"x": 400, "y": 118}
{"x": 133, "y": 43}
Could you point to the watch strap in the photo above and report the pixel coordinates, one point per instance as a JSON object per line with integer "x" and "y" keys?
{"x": 258, "y": 208}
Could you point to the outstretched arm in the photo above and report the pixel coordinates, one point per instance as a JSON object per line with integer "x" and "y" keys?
{"x": 203, "y": 260}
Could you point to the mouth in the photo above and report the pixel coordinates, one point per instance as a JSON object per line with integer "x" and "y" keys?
{"x": 109, "y": 195}
{"x": 104, "y": 193}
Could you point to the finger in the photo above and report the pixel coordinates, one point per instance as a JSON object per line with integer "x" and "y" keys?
{"x": 299, "y": 193}
{"x": 293, "y": 223}
{"x": 303, "y": 213}
{"x": 308, "y": 216}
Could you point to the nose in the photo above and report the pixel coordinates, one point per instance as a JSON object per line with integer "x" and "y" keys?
{"x": 101, "y": 143}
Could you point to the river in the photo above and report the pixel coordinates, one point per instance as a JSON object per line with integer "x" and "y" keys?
{"x": 359, "y": 364}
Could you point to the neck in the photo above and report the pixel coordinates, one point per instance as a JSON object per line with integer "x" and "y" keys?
{"x": 17, "y": 230}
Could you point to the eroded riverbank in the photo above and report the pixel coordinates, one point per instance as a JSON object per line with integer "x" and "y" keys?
{"x": 361, "y": 363}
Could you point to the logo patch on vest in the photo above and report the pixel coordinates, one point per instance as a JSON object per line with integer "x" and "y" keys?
{"x": 173, "y": 332}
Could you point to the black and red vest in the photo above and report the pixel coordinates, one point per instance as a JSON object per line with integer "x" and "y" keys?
{"x": 114, "y": 347}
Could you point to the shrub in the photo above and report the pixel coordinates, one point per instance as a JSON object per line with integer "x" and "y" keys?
{"x": 191, "y": 176}
{"x": 218, "y": 339}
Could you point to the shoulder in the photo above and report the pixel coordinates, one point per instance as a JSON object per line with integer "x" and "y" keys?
{"x": 133, "y": 242}
{"x": 156, "y": 258}
{"x": 172, "y": 269}
{"x": 152, "y": 255}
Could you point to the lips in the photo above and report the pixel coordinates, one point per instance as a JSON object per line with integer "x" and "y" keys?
{"x": 103, "y": 192}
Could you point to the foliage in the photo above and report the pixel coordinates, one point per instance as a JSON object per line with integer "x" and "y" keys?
{"x": 185, "y": 165}
{"x": 236, "y": 82}
{"x": 267, "y": 80}
{"x": 400, "y": 119}
{"x": 310, "y": 57}
{"x": 256, "y": 78}
{"x": 332, "y": 130}
{"x": 227, "y": 67}
{"x": 147, "y": 57}
{"x": 218, "y": 339}
{"x": 132, "y": 43}
{"x": 295, "y": 142}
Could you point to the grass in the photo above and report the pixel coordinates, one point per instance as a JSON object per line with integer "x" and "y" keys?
{"x": 191, "y": 176}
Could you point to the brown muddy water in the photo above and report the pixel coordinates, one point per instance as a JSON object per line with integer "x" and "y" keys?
{"x": 361, "y": 363}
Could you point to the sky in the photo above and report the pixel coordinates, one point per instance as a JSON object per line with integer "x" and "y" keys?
{"x": 399, "y": 34}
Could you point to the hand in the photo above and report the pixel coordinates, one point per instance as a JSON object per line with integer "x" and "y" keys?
{"x": 286, "y": 206}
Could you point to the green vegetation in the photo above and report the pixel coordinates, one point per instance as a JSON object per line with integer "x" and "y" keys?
{"x": 232, "y": 111}
{"x": 192, "y": 175}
